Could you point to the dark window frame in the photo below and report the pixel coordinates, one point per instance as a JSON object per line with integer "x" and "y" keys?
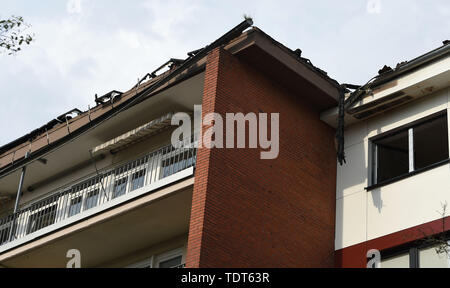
{"x": 175, "y": 258}
{"x": 372, "y": 162}
{"x": 413, "y": 249}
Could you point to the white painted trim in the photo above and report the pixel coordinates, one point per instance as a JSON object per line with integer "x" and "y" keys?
{"x": 154, "y": 260}
{"x": 410, "y": 80}
{"x": 142, "y": 264}
{"x": 411, "y": 149}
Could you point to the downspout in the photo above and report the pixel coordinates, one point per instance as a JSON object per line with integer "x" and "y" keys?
{"x": 340, "y": 128}
{"x": 344, "y": 105}
{"x": 16, "y": 205}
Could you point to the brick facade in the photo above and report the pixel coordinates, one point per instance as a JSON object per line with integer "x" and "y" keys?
{"x": 248, "y": 212}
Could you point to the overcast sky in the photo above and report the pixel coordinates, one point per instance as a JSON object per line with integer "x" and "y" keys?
{"x": 85, "y": 47}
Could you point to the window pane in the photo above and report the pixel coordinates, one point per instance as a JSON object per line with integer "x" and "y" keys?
{"x": 120, "y": 187}
{"x": 137, "y": 180}
{"x": 75, "y": 206}
{"x": 171, "y": 263}
{"x": 400, "y": 261}
{"x": 430, "y": 143}
{"x": 430, "y": 258}
{"x": 4, "y": 234}
{"x": 41, "y": 219}
{"x": 177, "y": 163}
{"x": 91, "y": 199}
{"x": 393, "y": 156}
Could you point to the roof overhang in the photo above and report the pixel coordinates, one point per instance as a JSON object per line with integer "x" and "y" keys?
{"x": 283, "y": 66}
{"x": 409, "y": 86}
{"x": 255, "y": 47}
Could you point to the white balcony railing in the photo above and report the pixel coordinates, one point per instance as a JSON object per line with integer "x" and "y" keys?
{"x": 106, "y": 188}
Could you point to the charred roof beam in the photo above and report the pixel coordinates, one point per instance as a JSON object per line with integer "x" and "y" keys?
{"x": 108, "y": 97}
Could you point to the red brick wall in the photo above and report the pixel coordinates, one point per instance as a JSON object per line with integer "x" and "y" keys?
{"x": 248, "y": 212}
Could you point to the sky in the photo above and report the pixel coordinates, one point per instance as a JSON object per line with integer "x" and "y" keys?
{"x": 88, "y": 47}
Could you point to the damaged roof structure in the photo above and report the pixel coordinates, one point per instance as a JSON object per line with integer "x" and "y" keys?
{"x": 69, "y": 125}
{"x": 111, "y": 173}
{"x": 352, "y": 96}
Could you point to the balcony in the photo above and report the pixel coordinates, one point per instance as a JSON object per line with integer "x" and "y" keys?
{"x": 91, "y": 195}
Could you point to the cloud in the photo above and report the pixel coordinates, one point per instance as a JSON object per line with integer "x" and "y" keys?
{"x": 104, "y": 45}
{"x": 130, "y": 38}
{"x": 167, "y": 15}
{"x": 76, "y": 57}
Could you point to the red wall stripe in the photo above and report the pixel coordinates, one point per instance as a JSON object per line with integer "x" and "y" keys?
{"x": 355, "y": 256}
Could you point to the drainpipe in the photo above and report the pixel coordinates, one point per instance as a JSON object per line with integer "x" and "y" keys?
{"x": 340, "y": 128}
{"x": 16, "y": 205}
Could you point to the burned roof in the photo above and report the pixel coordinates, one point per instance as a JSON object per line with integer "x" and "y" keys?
{"x": 387, "y": 73}
{"x": 12, "y": 155}
{"x": 298, "y": 55}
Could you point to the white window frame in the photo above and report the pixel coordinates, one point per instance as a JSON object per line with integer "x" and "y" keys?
{"x": 147, "y": 263}
{"x": 155, "y": 260}
{"x": 169, "y": 255}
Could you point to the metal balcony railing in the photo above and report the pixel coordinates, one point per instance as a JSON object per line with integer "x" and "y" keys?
{"x": 86, "y": 194}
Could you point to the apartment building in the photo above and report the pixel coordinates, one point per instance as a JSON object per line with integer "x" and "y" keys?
{"x": 392, "y": 190}
{"x": 108, "y": 183}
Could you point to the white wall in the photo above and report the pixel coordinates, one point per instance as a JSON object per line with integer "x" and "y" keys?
{"x": 362, "y": 215}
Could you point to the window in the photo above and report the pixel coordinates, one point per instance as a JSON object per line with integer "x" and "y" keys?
{"x": 392, "y": 156}
{"x": 137, "y": 180}
{"x": 41, "y": 219}
{"x": 4, "y": 233}
{"x": 171, "y": 259}
{"x": 432, "y": 258}
{"x": 178, "y": 162}
{"x": 147, "y": 263}
{"x": 428, "y": 256}
{"x": 120, "y": 187}
{"x": 407, "y": 150}
{"x": 430, "y": 143}
{"x": 398, "y": 261}
{"x": 91, "y": 199}
{"x": 75, "y": 206}
{"x": 83, "y": 196}
{"x": 171, "y": 263}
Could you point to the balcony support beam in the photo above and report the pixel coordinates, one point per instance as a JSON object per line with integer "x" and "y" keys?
{"x": 19, "y": 192}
